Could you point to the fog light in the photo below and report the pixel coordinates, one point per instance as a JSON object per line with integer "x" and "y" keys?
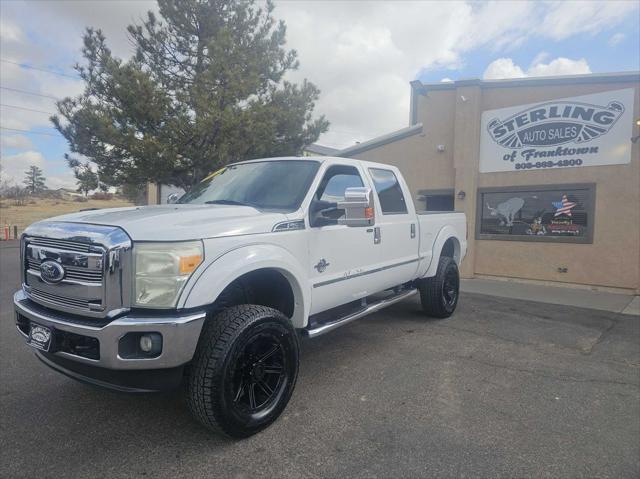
{"x": 146, "y": 343}
{"x": 141, "y": 344}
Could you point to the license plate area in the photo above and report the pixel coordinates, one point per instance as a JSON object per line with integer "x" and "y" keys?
{"x": 40, "y": 337}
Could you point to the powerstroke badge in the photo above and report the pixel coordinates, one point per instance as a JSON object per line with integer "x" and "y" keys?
{"x": 555, "y": 123}
{"x": 588, "y": 130}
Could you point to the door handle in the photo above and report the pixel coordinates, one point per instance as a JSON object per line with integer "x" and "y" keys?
{"x": 413, "y": 230}
{"x": 376, "y": 235}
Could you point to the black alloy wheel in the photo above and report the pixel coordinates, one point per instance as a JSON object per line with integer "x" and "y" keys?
{"x": 439, "y": 294}
{"x": 450, "y": 287}
{"x": 244, "y": 370}
{"x": 260, "y": 374}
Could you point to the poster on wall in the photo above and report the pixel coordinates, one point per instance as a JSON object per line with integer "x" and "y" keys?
{"x": 580, "y": 131}
{"x": 537, "y": 213}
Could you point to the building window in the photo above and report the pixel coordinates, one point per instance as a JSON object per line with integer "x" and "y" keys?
{"x": 389, "y": 191}
{"x": 437, "y": 200}
{"x": 557, "y": 213}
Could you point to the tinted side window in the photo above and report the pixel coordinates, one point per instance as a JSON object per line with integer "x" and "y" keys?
{"x": 389, "y": 191}
{"x": 336, "y": 180}
{"x": 440, "y": 203}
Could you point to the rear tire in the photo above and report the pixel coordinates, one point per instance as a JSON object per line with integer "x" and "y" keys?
{"x": 439, "y": 294}
{"x": 244, "y": 370}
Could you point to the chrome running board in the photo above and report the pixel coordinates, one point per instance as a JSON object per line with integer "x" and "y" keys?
{"x": 323, "y": 328}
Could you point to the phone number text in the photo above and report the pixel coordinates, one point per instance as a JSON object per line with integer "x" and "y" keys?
{"x": 548, "y": 164}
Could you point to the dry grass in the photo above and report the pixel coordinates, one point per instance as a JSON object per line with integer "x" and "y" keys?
{"x": 23, "y": 216}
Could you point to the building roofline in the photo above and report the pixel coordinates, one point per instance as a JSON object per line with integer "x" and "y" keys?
{"x": 321, "y": 149}
{"x": 381, "y": 140}
{"x": 618, "y": 77}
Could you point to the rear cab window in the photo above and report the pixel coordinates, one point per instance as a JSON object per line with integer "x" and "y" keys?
{"x": 389, "y": 191}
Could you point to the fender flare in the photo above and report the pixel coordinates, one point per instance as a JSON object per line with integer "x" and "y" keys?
{"x": 203, "y": 289}
{"x": 445, "y": 233}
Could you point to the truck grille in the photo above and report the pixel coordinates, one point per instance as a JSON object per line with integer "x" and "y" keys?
{"x": 77, "y": 274}
{"x": 59, "y": 300}
{"x": 61, "y": 244}
{"x": 95, "y": 261}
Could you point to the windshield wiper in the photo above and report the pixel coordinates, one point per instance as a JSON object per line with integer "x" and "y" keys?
{"x": 228, "y": 202}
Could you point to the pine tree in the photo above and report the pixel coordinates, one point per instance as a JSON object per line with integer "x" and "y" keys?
{"x": 206, "y": 87}
{"x": 86, "y": 178}
{"x": 34, "y": 180}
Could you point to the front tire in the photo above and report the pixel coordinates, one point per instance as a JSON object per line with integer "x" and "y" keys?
{"x": 439, "y": 294}
{"x": 244, "y": 370}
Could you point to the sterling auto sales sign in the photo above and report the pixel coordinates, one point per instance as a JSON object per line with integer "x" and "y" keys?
{"x": 584, "y": 130}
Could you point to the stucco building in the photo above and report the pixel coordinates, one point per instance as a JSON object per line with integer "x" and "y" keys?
{"x": 547, "y": 171}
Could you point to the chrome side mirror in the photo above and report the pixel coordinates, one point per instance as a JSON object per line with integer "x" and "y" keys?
{"x": 172, "y": 198}
{"x": 358, "y": 207}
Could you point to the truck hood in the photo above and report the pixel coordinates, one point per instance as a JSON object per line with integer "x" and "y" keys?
{"x": 179, "y": 222}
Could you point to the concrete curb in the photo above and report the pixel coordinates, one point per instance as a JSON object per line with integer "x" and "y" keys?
{"x": 600, "y": 300}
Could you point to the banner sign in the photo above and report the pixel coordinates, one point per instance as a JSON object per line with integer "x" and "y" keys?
{"x": 586, "y": 130}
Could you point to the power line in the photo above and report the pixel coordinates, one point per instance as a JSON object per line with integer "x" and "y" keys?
{"x": 53, "y": 72}
{"x": 28, "y": 131}
{"x": 27, "y": 109}
{"x": 29, "y": 92}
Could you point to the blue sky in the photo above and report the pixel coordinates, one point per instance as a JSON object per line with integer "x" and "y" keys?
{"x": 362, "y": 56}
{"x": 613, "y": 49}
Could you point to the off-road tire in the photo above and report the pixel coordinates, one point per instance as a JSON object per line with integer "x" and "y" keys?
{"x": 220, "y": 351}
{"x": 433, "y": 291}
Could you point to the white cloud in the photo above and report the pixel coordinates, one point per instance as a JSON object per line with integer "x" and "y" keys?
{"x": 502, "y": 68}
{"x": 446, "y": 80}
{"x": 361, "y": 54}
{"x": 540, "y": 57}
{"x": 560, "y": 66}
{"x": 14, "y": 166}
{"x": 10, "y": 32}
{"x": 20, "y": 142}
{"x": 506, "y": 68}
{"x": 615, "y": 39}
{"x": 26, "y": 111}
{"x": 567, "y": 18}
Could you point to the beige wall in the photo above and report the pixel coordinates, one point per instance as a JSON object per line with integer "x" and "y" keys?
{"x": 613, "y": 260}
{"x": 417, "y": 156}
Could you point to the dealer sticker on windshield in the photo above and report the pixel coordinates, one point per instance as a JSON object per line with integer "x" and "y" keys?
{"x": 39, "y": 337}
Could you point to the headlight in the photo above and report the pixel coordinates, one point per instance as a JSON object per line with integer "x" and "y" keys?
{"x": 161, "y": 271}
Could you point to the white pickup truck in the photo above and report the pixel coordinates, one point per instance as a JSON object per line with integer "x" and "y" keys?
{"x": 213, "y": 291}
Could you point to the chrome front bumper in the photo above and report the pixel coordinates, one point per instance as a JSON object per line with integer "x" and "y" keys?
{"x": 179, "y": 332}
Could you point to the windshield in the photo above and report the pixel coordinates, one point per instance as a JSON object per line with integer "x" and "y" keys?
{"x": 270, "y": 185}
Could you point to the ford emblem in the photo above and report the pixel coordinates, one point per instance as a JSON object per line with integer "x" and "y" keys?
{"x": 51, "y": 271}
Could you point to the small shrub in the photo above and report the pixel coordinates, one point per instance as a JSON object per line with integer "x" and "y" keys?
{"x": 53, "y": 194}
{"x": 80, "y": 199}
{"x": 18, "y": 194}
{"x": 98, "y": 195}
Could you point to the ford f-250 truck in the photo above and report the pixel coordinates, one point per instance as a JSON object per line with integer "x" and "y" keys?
{"x": 213, "y": 291}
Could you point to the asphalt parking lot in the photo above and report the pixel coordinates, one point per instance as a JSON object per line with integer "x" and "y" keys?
{"x": 504, "y": 388}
